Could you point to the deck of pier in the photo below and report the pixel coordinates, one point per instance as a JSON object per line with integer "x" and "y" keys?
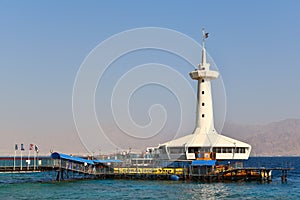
{"x": 67, "y": 167}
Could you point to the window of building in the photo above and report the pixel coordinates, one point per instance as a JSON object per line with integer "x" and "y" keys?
{"x": 176, "y": 150}
{"x": 203, "y": 115}
{"x": 202, "y": 92}
{"x": 202, "y": 80}
{"x": 203, "y": 104}
{"x": 217, "y": 149}
{"x": 243, "y": 150}
{"x": 223, "y": 149}
{"x": 239, "y": 150}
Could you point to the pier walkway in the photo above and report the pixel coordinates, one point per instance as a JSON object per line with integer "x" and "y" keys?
{"x": 68, "y": 167}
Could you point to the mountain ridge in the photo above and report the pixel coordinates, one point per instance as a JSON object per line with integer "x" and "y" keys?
{"x": 281, "y": 138}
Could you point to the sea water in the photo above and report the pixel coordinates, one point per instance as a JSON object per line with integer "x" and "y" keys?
{"x": 41, "y": 186}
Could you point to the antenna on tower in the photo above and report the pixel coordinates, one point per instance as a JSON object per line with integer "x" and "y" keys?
{"x": 204, "y": 65}
{"x": 204, "y": 36}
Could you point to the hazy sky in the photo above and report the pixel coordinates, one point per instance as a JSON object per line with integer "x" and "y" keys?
{"x": 255, "y": 45}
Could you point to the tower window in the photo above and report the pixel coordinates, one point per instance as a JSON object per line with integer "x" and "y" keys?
{"x": 203, "y": 115}
{"x": 203, "y": 104}
{"x": 202, "y": 80}
{"x": 202, "y": 92}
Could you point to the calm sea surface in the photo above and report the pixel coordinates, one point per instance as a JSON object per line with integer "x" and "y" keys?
{"x": 40, "y": 186}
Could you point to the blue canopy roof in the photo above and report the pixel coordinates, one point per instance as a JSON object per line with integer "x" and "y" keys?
{"x": 203, "y": 162}
{"x": 56, "y": 155}
{"x": 107, "y": 161}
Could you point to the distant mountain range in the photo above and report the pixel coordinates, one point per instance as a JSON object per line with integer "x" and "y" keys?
{"x": 275, "y": 139}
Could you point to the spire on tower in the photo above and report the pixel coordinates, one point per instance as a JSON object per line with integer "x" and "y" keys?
{"x": 204, "y": 36}
{"x": 204, "y": 65}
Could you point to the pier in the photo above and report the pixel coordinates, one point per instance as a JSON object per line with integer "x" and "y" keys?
{"x": 66, "y": 167}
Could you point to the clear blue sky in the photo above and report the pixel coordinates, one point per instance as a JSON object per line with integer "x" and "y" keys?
{"x": 43, "y": 43}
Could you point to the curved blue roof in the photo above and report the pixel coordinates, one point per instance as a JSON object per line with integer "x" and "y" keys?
{"x": 56, "y": 155}
{"x": 107, "y": 161}
{"x": 203, "y": 162}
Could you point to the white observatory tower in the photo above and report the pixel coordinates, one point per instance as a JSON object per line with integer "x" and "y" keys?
{"x": 204, "y": 117}
{"x": 204, "y": 143}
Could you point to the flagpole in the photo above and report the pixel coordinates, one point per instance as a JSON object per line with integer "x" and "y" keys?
{"x": 21, "y": 161}
{"x": 15, "y": 159}
{"x": 34, "y": 154}
{"x": 203, "y": 37}
{"x": 37, "y": 158}
{"x": 28, "y": 161}
{"x": 36, "y": 151}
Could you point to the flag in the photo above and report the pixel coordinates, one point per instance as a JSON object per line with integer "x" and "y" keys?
{"x": 36, "y": 148}
{"x": 31, "y": 147}
{"x": 206, "y": 35}
{"x": 22, "y": 147}
{"x": 16, "y": 147}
